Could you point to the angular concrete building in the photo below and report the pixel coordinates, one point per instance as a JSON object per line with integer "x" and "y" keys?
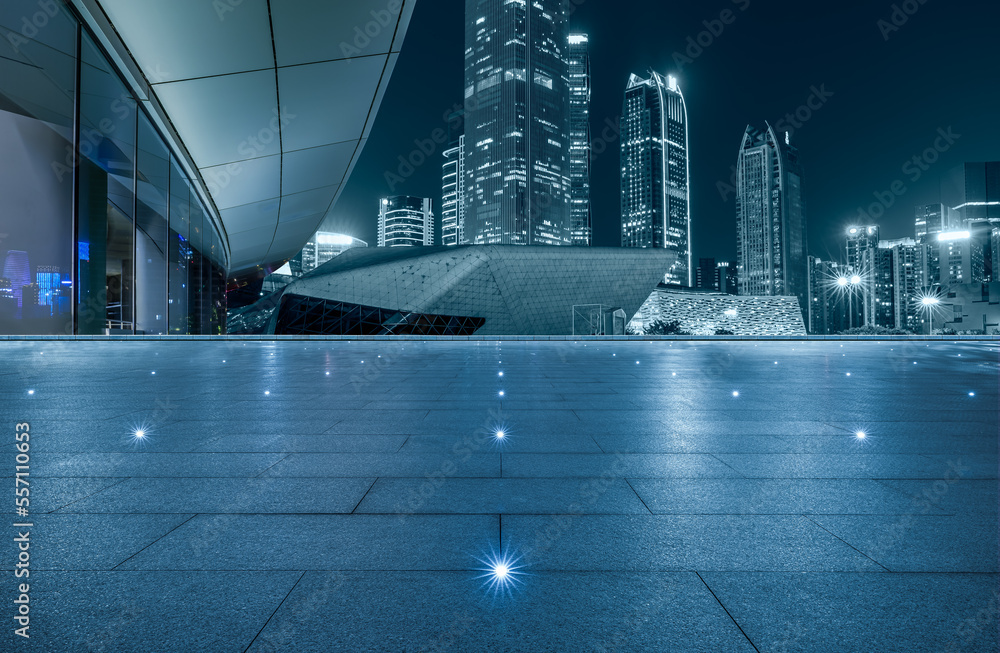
{"x": 465, "y": 290}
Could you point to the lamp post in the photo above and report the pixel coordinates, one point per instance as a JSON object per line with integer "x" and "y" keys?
{"x": 929, "y": 304}
{"x": 850, "y": 284}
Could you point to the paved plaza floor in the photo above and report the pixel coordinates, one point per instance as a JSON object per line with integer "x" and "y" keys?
{"x": 645, "y": 496}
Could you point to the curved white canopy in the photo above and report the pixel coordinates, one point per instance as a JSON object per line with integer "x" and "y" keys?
{"x": 272, "y": 99}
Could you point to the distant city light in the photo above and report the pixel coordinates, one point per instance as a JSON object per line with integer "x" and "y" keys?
{"x": 954, "y": 235}
{"x": 855, "y": 280}
{"x": 861, "y": 435}
{"x": 139, "y": 433}
{"x": 731, "y": 312}
{"x": 500, "y": 435}
{"x": 930, "y": 301}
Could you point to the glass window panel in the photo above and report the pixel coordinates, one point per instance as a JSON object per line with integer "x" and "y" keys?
{"x": 179, "y": 250}
{"x": 107, "y": 196}
{"x": 152, "y": 227}
{"x": 37, "y": 100}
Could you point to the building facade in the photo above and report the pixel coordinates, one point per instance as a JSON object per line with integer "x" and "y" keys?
{"x": 771, "y": 243}
{"x": 517, "y": 143}
{"x": 828, "y": 305}
{"x": 405, "y": 221}
{"x": 578, "y": 69}
{"x": 453, "y": 194}
{"x": 322, "y": 247}
{"x": 463, "y": 290}
{"x": 706, "y": 312}
{"x": 655, "y": 171}
{"x": 127, "y": 161}
{"x": 959, "y": 259}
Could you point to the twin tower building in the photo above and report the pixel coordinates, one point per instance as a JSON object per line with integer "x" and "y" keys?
{"x": 518, "y": 170}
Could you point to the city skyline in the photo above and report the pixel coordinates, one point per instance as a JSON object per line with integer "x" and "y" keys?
{"x": 723, "y": 100}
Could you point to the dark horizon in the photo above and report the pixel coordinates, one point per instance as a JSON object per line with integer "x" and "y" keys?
{"x": 879, "y": 94}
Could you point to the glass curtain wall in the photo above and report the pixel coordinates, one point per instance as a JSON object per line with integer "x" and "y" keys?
{"x": 100, "y": 230}
{"x": 38, "y": 65}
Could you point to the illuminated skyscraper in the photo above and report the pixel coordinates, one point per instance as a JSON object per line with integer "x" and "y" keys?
{"x": 322, "y": 247}
{"x": 49, "y": 285}
{"x": 453, "y": 195}
{"x": 578, "y": 64}
{"x": 771, "y": 242}
{"x": 17, "y": 269}
{"x": 517, "y": 144}
{"x": 405, "y": 222}
{"x": 655, "y": 191}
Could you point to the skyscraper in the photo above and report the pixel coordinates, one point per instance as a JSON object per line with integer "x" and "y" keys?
{"x": 907, "y": 259}
{"x": 517, "y": 124}
{"x": 827, "y": 314}
{"x": 982, "y": 192}
{"x": 859, "y": 240}
{"x": 932, "y": 219}
{"x": 578, "y": 68}
{"x": 405, "y": 221}
{"x": 49, "y": 282}
{"x": 655, "y": 186}
{"x": 980, "y": 211}
{"x": 771, "y": 243}
{"x": 322, "y": 247}
{"x": 18, "y": 270}
{"x": 453, "y": 195}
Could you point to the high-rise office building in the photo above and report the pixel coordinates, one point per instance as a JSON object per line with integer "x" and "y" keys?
{"x": 982, "y": 192}
{"x": 578, "y": 69}
{"x": 932, "y": 219}
{"x": 878, "y": 284}
{"x": 959, "y": 258}
{"x": 453, "y": 194}
{"x": 517, "y": 145}
{"x": 17, "y": 268}
{"x": 49, "y": 282}
{"x": 322, "y": 247}
{"x": 710, "y": 275}
{"x": 827, "y": 312}
{"x": 771, "y": 243}
{"x": 907, "y": 261}
{"x": 859, "y": 240}
{"x": 405, "y": 221}
{"x": 655, "y": 181}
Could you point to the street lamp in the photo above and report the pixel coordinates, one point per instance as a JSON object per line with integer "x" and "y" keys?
{"x": 930, "y": 303}
{"x": 850, "y": 284}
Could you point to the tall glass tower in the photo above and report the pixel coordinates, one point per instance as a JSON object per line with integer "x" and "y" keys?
{"x": 405, "y": 221}
{"x": 771, "y": 217}
{"x": 578, "y": 64}
{"x": 517, "y": 123}
{"x": 655, "y": 183}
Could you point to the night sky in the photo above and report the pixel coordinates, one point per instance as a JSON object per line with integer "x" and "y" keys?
{"x": 940, "y": 69}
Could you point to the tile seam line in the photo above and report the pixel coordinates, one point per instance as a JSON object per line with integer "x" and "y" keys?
{"x": 119, "y": 482}
{"x": 728, "y": 614}
{"x": 848, "y": 543}
{"x": 281, "y": 603}
{"x": 361, "y": 500}
{"x": 115, "y": 568}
